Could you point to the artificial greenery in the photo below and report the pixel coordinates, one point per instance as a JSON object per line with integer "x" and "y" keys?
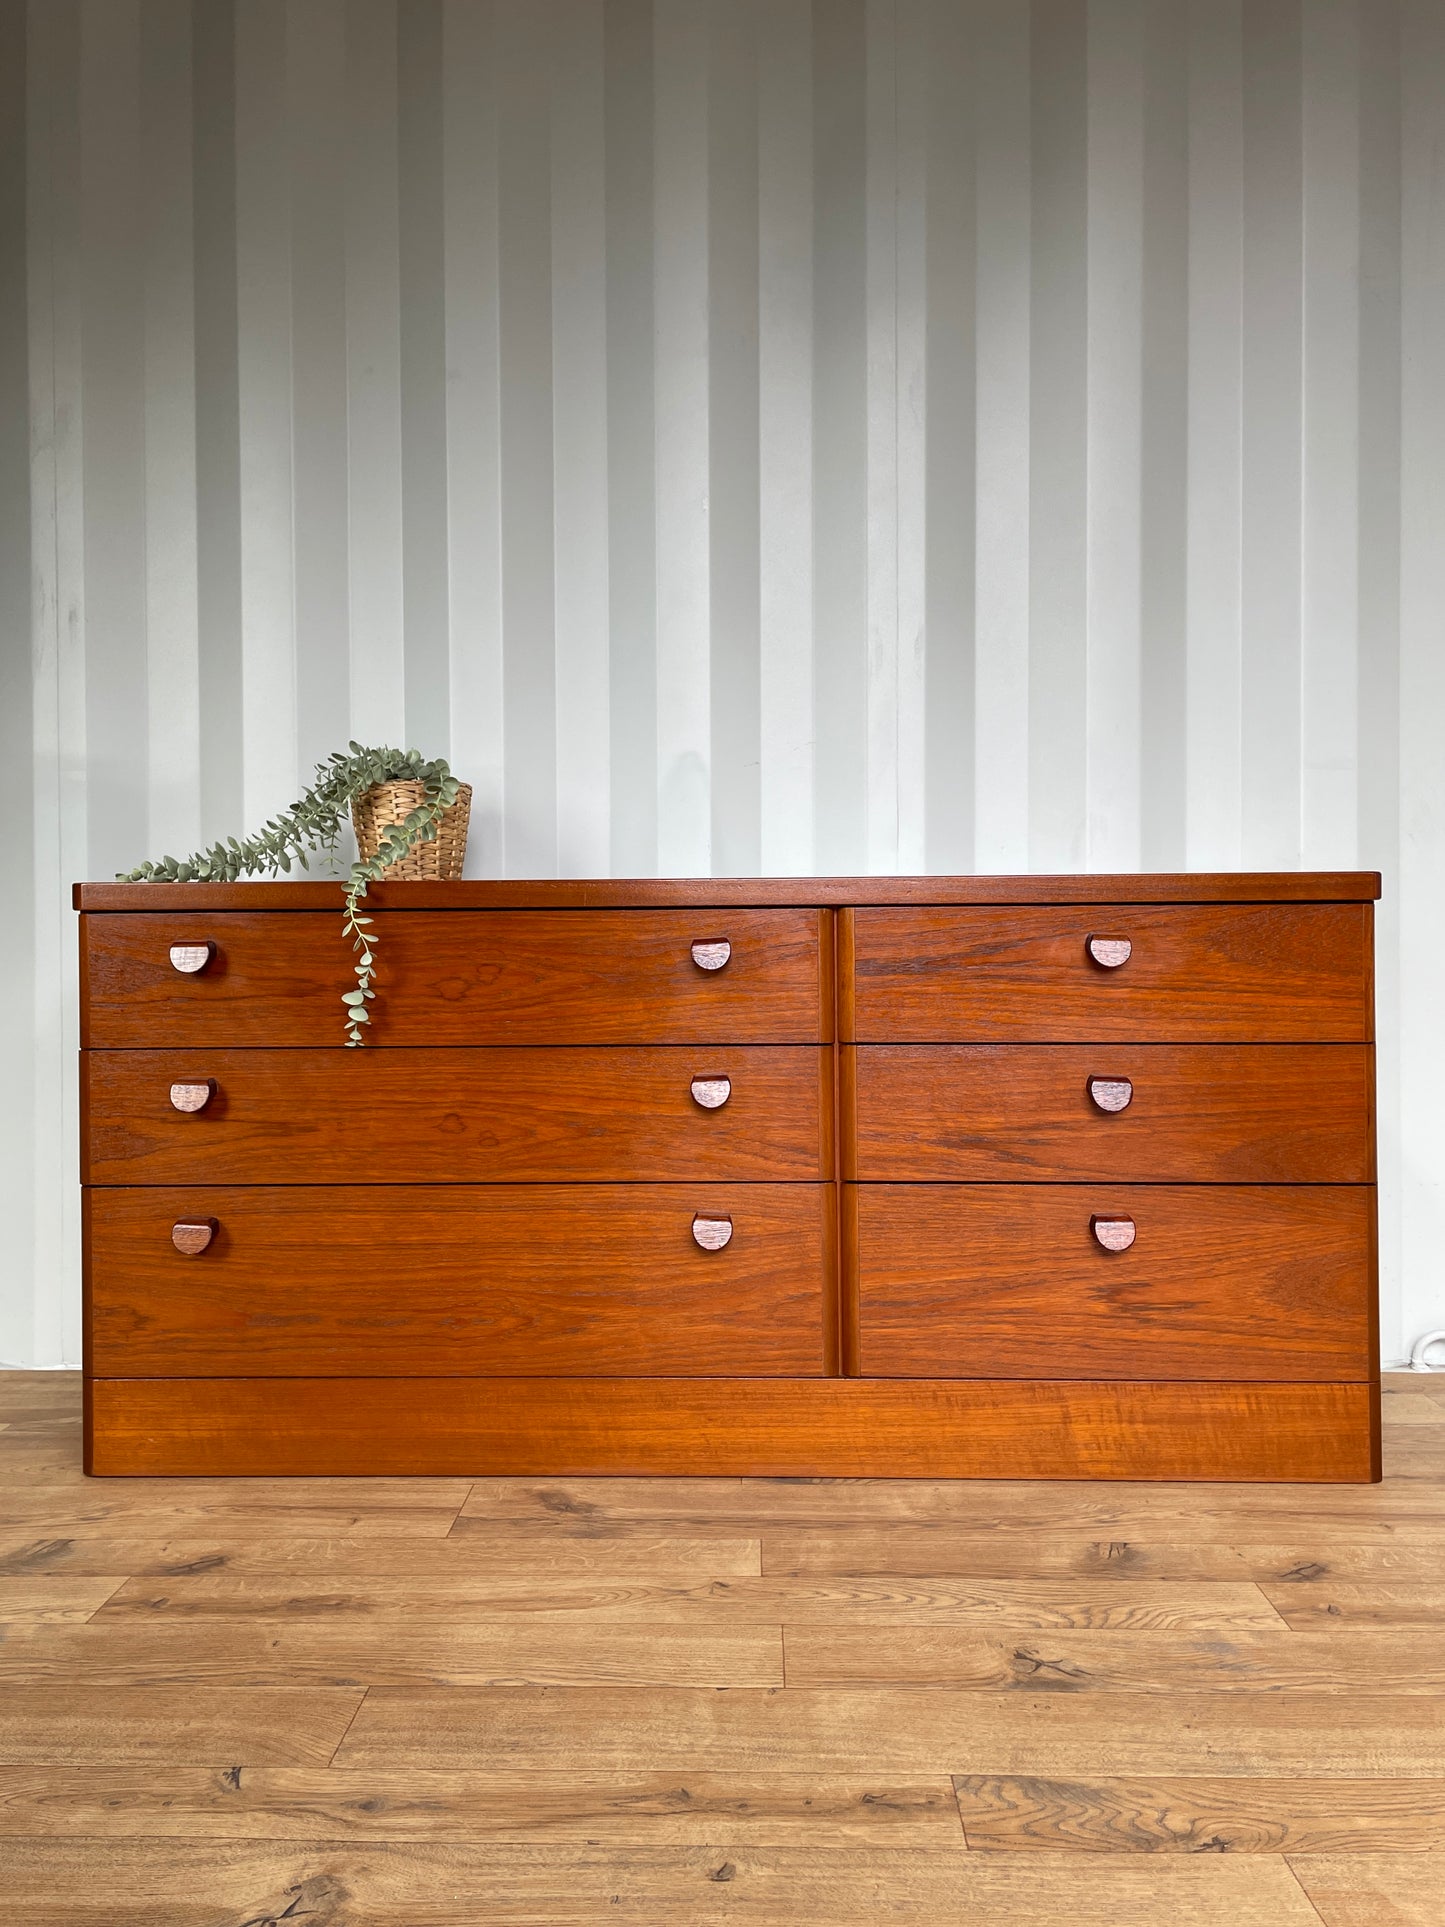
{"x": 314, "y": 823}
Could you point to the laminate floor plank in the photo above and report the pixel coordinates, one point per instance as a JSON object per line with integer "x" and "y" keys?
{"x": 120, "y": 1883}
{"x": 1202, "y": 1815}
{"x": 1088, "y": 1662}
{"x": 1206, "y": 1514}
{"x": 47, "y": 1599}
{"x": 1145, "y": 1606}
{"x": 37, "y": 1460}
{"x": 1374, "y": 1890}
{"x": 900, "y": 1730}
{"x": 1287, "y": 1570}
{"x": 522, "y": 1557}
{"x": 1415, "y": 1451}
{"x": 1411, "y": 1408}
{"x": 864, "y": 1551}
{"x": 313, "y": 1508}
{"x": 1387, "y": 1603}
{"x": 392, "y": 1649}
{"x": 59, "y": 1392}
{"x": 272, "y": 1497}
{"x": 71, "y": 1723}
{"x": 638, "y": 1809}
{"x": 446, "y": 1650}
{"x": 47, "y": 1427}
{"x": 857, "y": 1551}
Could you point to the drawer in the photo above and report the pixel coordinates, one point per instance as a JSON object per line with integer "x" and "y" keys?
{"x": 1265, "y": 1282}
{"x": 462, "y": 977}
{"x": 1211, "y": 1113}
{"x": 1221, "y": 973}
{"x": 458, "y": 1116}
{"x": 489, "y": 1280}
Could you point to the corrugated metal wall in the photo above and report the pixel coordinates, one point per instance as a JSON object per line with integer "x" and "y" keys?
{"x": 745, "y": 435}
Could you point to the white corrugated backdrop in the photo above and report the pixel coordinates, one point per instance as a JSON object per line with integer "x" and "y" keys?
{"x": 744, "y": 435}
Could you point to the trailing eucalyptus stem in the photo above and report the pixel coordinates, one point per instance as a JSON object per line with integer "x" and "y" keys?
{"x": 313, "y": 824}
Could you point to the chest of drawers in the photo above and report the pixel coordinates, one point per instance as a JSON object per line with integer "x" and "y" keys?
{"x": 992, "y": 1177}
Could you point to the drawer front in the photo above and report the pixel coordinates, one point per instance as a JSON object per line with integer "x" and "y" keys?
{"x": 458, "y": 1117}
{"x": 1267, "y": 1282}
{"x": 1213, "y": 1113}
{"x": 487, "y": 1280}
{"x": 1224, "y": 973}
{"x": 463, "y": 977}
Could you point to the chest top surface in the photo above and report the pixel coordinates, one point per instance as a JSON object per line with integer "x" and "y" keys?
{"x": 639, "y": 893}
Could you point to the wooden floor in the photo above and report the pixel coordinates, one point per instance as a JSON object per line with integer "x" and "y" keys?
{"x": 420, "y": 1702}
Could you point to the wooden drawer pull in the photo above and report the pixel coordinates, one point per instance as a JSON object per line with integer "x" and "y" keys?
{"x": 711, "y": 1233}
{"x": 1110, "y": 952}
{"x": 192, "y": 1235}
{"x": 188, "y": 958}
{"x": 711, "y": 953}
{"x": 193, "y": 1097}
{"x": 711, "y": 1092}
{"x": 1111, "y": 1093}
{"x": 1114, "y": 1234}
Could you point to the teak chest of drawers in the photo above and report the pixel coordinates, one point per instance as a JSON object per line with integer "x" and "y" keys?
{"x": 997, "y": 1177}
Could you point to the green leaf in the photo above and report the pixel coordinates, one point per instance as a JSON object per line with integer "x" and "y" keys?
{"x": 313, "y": 824}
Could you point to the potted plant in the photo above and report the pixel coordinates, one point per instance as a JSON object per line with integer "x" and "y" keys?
{"x": 410, "y": 818}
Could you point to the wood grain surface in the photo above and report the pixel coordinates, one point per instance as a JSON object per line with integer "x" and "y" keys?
{"x": 1372, "y": 1890}
{"x": 475, "y": 1117}
{"x": 1395, "y": 1603}
{"x": 1201, "y": 1815}
{"x": 1220, "y": 1114}
{"x": 955, "y": 1658}
{"x": 44, "y": 1599}
{"x": 1015, "y": 1512}
{"x": 462, "y": 977}
{"x": 901, "y": 1730}
{"x": 1229, "y": 886}
{"x": 1222, "y": 1281}
{"x": 1138, "y": 1551}
{"x": 437, "y": 1601}
{"x": 459, "y": 1883}
{"x": 1247, "y": 974}
{"x": 62, "y": 1722}
{"x": 574, "y": 1808}
{"x": 750, "y": 1427}
{"x": 491, "y": 1280}
{"x": 285, "y": 1550}
{"x": 409, "y": 1701}
{"x": 460, "y": 1648}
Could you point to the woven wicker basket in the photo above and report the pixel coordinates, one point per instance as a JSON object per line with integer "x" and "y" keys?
{"x": 388, "y": 803}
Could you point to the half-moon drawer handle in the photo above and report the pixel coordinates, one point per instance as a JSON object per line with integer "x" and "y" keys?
{"x": 1110, "y": 951}
{"x": 193, "y": 1097}
{"x": 188, "y": 958}
{"x": 1111, "y": 1093}
{"x": 711, "y": 1233}
{"x": 192, "y": 1235}
{"x": 711, "y": 1092}
{"x": 1114, "y": 1234}
{"x": 711, "y": 953}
